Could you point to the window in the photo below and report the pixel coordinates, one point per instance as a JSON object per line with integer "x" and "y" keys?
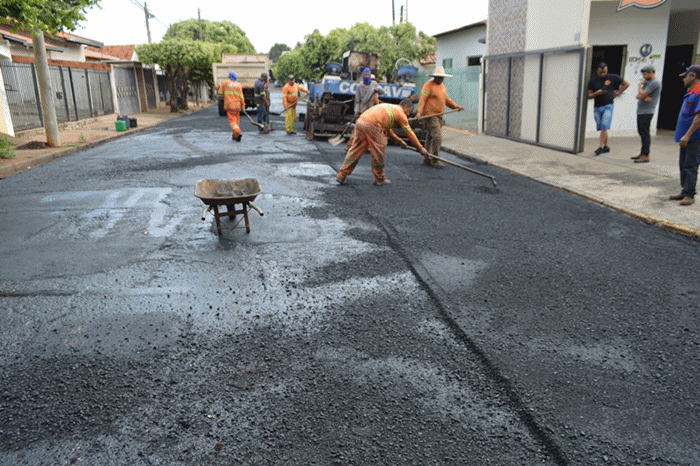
{"x": 474, "y": 61}
{"x": 447, "y": 63}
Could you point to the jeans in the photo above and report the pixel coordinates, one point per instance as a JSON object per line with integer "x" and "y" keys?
{"x": 688, "y": 163}
{"x": 643, "y": 124}
{"x": 603, "y": 116}
{"x": 262, "y": 114}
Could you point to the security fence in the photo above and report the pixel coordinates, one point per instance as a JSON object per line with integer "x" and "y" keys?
{"x": 463, "y": 89}
{"x": 79, "y": 94}
{"x": 536, "y": 97}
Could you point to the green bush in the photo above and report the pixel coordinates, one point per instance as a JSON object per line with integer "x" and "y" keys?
{"x": 7, "y": 151}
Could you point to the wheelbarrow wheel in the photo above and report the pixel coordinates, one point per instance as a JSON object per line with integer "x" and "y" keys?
{"x": 231, "y": 208}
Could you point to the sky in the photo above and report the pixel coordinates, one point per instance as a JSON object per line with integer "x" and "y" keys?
{"x": 121, "y": 22}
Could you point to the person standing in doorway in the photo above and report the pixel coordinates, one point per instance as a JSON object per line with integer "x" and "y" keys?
{"x": 290, "y": 97}
{"x": 261, "y": 100}
{"x": 647, "y": 99}
{"x": 688, "y": 136}
{"x": 604, "y": 88}
{"x": 233, "y": 103}
{"x": 433, "y": 99}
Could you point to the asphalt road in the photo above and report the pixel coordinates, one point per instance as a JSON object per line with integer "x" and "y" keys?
{"x": 438, "y": 320}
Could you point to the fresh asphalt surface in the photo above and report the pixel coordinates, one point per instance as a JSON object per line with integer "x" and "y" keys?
{"x": 438, "y": 320}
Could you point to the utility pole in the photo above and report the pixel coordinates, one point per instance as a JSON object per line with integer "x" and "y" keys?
{"x": 401, "y": 15}
{"x": 48, "y": 109}
{"x": 148, "y": 29}
{"x": 393, "y": 13}
{"x": 199, "y": 15}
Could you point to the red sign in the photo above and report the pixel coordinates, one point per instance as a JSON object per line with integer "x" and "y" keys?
{"x": 639, "y": 3}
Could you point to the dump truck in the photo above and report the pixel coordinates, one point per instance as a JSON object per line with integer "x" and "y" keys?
{"x": 247, "y": 66}
{"x": 331, "y": 104}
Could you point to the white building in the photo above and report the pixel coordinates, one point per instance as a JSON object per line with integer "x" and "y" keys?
{"x": 540, "y": 55}
{"x": 461, "y": 47}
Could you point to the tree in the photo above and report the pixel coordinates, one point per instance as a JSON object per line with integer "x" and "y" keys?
{"x": 276, "y": 50}
{"x": 41, "y": 16}
{"x": 231, "y": 37}
{"x": 185, "y": 61}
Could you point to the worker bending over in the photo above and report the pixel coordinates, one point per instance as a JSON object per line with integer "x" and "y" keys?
{"x": 433, "y": 98}
{"x": 233, "y": 103}
{"x": 290, "y": 97}
{"x": 371, "y": 131}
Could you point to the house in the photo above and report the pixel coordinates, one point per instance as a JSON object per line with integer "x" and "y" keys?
{"x": 461, "y": 47}
{"x": 541, "y": 55}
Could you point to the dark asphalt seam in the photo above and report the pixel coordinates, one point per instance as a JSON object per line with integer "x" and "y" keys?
{"x": 429, "y": 285}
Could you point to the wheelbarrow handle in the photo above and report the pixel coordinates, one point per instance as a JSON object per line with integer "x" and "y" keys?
{"x": 256, "y": 208}
{"x": 206, "y": 211}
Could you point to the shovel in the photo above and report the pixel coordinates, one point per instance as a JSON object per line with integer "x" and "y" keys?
{"x": 492, "y": 178}
{"x": 434, "y": 114}
{"x": 251, "y": 120}
{"x": 301, "y": 99}
{"x": 338, "y": 139}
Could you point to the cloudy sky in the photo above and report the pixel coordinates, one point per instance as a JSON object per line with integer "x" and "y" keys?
{"x": 265, "y": 23}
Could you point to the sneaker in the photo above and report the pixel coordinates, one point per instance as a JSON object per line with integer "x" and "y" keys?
{"x": 598, "y": 151}
{"x": 238, "y": 138}
{"x": 292, "y": 132}
{"x": 687, "y": 200}
{"x": 676, "y": 197}
{"x": 642, "y": 159}
{"x": 606, "y": 149}
{"x": 341, "y": 181}
{"x": 636, "y": 157}
{"x": 263, "y": 131}
{"x": 382, "y": 182}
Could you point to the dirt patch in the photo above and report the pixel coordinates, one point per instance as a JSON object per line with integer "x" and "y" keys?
{"x": 32, "y": 145}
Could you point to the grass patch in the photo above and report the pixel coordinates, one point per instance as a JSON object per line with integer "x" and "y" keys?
{"x": 7, "y": 150}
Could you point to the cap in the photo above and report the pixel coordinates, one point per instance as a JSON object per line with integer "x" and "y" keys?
{"x": 695, "y": 69}
{"x": 263, "y": 75}
{"x": 648, "y": 69}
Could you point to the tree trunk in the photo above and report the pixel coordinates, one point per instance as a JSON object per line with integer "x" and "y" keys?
{"x": 172, "y": 86}
{"x": 48, "y": 109}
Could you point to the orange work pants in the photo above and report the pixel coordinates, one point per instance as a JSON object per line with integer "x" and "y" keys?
{"x": 366, "y": 136}
{"x": 234, "y": 120}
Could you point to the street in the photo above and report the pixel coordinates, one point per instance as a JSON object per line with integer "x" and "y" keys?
{"x": 437, "y": 320}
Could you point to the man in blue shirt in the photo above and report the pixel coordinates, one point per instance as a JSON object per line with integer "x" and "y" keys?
{"x": 688, "y": 136}
{"x": 263, "y": 103}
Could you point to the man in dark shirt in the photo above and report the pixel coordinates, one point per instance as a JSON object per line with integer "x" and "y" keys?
{"x": 604, "y": 88}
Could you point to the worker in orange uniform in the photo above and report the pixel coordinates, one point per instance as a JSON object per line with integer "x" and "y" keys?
{"x": 290, "y": 97}
{"x": 371, "y": 131}
{"x": 433, "y": 98}
{"x": 233, "y": 103}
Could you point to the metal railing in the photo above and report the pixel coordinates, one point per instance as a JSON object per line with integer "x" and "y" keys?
{"x": 463, "y": 89}
{"x": 79, "y": 94}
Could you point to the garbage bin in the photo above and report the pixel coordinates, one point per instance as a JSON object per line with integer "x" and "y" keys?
{"x": 120, "y": 125}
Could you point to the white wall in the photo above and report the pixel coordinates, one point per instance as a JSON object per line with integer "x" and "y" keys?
{"x": 633, "y": 27}
{"x": 555, "y": 23}
{"x": 5, "y": 117}
{"x": 460, "y": 45}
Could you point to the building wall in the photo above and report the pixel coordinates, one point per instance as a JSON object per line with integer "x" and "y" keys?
{"x": 555, "y": 23}
{"x": 5, "y": 117}
{"x": 611, "y": 27}
{"x": 683, "y": 29}
{"x": 460, "y": 45}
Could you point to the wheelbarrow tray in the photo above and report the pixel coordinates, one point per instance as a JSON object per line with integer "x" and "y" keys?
{"x": 215, "y": 193}
{"x": 224, "y": 192}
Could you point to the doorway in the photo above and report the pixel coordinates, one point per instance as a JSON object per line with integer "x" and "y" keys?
{"x": 612, "y": 55}
{"x": 678, "y": 59}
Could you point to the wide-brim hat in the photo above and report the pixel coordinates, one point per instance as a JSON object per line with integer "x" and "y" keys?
{"x": 440, "y": 73}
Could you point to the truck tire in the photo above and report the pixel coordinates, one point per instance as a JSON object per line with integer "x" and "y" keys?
{"x": 222, "y": 112}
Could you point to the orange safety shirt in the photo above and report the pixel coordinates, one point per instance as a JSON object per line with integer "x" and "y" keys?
{"x": 233, "y": 95}
{"x": 391, "y": 116}
{"x": 290, "y": 94}
{"x": 433, "y": 98}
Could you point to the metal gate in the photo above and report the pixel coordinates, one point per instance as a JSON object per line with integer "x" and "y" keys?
{"x": 127, "y": 92}
{"x": 150, "y": 88}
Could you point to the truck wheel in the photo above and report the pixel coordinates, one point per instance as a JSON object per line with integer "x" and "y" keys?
{"x": 222, "y": 112}
{"x": 309, "y": 129}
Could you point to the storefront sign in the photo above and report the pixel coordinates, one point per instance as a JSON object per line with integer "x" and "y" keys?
{"x": 639, "y": 3}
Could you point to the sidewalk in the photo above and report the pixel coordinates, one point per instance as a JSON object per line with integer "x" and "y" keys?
{"x": 640, "y": 190}
{"x": 76, "y": 136}
{"x": 612, "y": 179}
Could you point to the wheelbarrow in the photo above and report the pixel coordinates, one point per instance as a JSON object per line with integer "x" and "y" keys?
{"x": 229, "y": 193}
